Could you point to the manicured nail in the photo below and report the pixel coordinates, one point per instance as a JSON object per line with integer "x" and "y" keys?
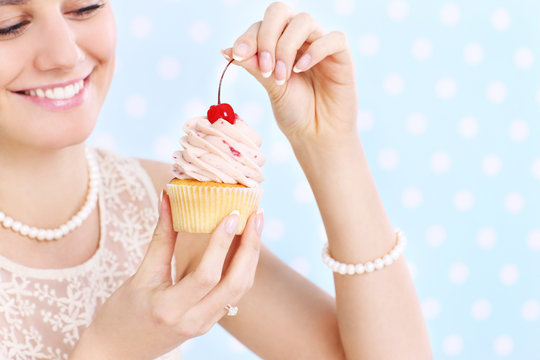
{"x": 265, "y": 63}
{"x": 240, "y": 51}
{"x": 260, "y": 221}
{"x": 232, "y": 222}
{"x": 225, "y": 55}
{"x": 302, "y": 63}
{"x": 280, "y": 72}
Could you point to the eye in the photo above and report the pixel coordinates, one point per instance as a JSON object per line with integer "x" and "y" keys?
{"x": 13, "y": 30}
{"x": 87, "y": 11}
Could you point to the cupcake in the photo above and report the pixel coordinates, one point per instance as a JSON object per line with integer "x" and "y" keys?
{"x": 218, "y": 170}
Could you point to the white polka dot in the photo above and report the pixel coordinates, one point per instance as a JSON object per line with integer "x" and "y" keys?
{"x": 365, "y": 120}
{"x": 274, "y": 229}
{"x": 500, "y": 19}
{"x": 514, "y": 203}
{"x": 509, "y": 274}
{"x": 141, "y": 27}
{"x": 453, "y": 345}
{"x": 463, "y": 200}
{"x": 303, "y": 193}
{"x": 524, "y": 58}
{"x": 431, "y": 308}
{"x": 388, "y": 159}
{"x": 535, "y": 169}
{"x": 236, "y": 346}
{"x": 440, "y": 162}
{"x": 519, "y": 131}
{"x": 450, "y": 14}
{"x": 496, "y": 92}
{"x": 105, "y": 140}
{"x": 136, "y": 106}
{"x": 344, "y": 7}
{"x": 486, "y": 238}
{"x": 321, "y": 230}
{"x": 481, "y": 309}
{"x": 252, "y": 113}
{"x": 473, "y": 53}
{"x": 530, "y": 310}
{"x": 393, "y": 84}
{"x": 188, "y": 344}
{"x": 446, "y": 88}
{"x": 422, "y": 49}
{"x": 369, "y": 44}
{"x": 503, "y": 345}
{"x": 194, "y": 107}
{"x": 459, "y": 273}
{"x": 200, "y": 31}
{"x": 301, "y": 265}
{"x": 280, "y": 153}
{"x": 411, "y": 198}
{"x": 416, "y": 124}
{"x": 398, "y": 10}
{"x": 533, "y": 239}
{"x": 436, "y": 235}
{"x": 164, "y": 147}
{"x": 491, "y": 165}
{"x": 168, "y": 68}
{"x": 468, "y": 127}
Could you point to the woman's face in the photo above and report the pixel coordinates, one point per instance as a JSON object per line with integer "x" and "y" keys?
{"x": 56, "y": 65}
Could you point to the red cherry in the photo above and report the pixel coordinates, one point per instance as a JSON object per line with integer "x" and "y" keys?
{"x": 222, "y": 111}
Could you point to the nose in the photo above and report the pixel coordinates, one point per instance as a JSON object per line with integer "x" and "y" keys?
{"x": 59, "y": 49}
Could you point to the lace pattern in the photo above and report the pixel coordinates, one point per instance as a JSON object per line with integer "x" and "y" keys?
{"x": 44, "y": 311}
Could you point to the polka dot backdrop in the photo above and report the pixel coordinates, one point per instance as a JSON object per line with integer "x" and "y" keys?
{"x": 449, "y": 107}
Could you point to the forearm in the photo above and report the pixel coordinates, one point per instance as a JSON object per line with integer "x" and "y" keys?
{"x": 378, "y": 313}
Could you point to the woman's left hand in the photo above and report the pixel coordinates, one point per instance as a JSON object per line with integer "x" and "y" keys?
{"x": 309, "y": 75}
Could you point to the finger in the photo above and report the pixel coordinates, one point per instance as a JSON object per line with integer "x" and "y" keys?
{"x": 332, "y": 44}
{"x": 276, "y": 18}
{"x": 246, "y": 45}
{"x": 156, "y": 265}
{"x": 302, "y": 29}
{"x": 239, "y": 276}
{"x": 209, "y": 271}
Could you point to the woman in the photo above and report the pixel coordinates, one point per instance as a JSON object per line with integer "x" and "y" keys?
{"x": 76, "y": 222}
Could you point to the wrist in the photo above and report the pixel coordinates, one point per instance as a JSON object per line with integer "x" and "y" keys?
{"x": 326, "y": 148}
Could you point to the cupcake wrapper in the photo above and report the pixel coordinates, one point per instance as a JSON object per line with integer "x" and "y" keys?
{"x": 199, "y": 209}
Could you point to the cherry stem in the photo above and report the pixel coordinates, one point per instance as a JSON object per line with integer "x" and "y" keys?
{"x": 220, "y": 81}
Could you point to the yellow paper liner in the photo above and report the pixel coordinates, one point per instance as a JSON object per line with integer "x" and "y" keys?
{"x": 199, "y": 209}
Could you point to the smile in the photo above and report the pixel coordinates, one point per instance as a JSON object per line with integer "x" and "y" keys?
{"x": 58, "y": 98}
{"x": 57, "y": 93}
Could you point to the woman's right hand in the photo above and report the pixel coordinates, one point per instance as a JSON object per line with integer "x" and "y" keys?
{"x": 149, "y": 315}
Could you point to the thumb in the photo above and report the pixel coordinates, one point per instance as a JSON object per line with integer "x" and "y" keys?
{"x": 252, "y": 66}
{"x": 156, "y": 265}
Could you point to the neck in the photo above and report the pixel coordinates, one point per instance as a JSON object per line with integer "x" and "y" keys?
{"x": 43, "y": 187}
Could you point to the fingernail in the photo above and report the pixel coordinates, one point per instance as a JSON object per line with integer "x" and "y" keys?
{"x": 240, "y": 51}
{"x": 232, "y": 222}
{"x": 265, "y": 63}
{"x": 302, "y": 63}
{"x": 225, "y": 55}
{"x": 260, "y": 221}
{"x": 280, "y": 72}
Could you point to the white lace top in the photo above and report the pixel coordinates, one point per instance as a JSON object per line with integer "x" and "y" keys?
{"x": 43, "y": 312}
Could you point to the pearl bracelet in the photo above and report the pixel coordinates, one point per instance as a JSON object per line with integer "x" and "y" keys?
{"x": 370, "y": 266}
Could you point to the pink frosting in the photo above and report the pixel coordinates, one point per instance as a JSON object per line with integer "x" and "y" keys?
{"x": 220, "y": 152}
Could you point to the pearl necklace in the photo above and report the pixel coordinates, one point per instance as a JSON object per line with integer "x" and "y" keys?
{"x": 35, "y": 233}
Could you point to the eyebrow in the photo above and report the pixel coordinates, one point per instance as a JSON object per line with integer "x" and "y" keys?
{"x": 13, "y": 2}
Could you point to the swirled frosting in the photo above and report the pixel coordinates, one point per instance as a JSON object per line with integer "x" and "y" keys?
{"x": 220, "y": 152}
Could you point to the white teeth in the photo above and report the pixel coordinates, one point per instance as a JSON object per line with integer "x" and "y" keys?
{"x": 58, "y": 93}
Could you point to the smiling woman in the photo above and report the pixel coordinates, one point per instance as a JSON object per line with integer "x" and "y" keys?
{"x": 85, "y": 258}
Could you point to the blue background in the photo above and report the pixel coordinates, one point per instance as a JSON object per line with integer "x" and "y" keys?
{"x": 449, "y": 107}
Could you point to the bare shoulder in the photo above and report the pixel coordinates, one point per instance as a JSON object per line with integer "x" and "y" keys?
{"x": 159, "y": 172}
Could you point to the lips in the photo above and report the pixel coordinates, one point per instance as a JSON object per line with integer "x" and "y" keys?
{"x": 58, "y": 97}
